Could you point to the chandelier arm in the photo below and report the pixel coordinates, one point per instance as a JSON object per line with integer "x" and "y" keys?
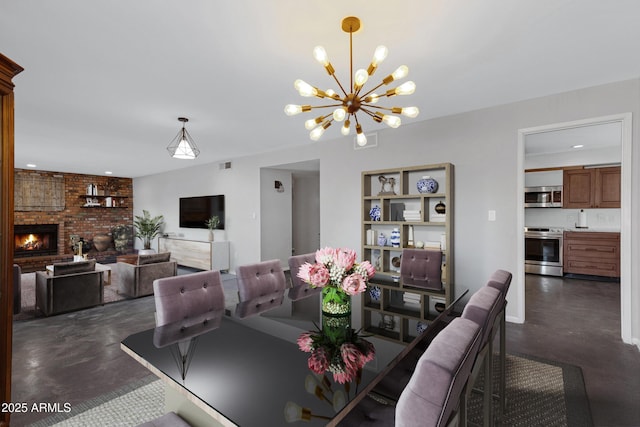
{"x": 339, "y": 84}
{"x": 367, "y": 112}
{"x": 372, "y": 90}
{"x": 377, "y": 107}
{"x": 326, "y": 106}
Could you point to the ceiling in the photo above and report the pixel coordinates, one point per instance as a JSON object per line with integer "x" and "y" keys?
{"x": 106, "y": 80}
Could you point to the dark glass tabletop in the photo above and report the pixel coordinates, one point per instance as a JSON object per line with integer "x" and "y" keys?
{"x": 246, "y": 375}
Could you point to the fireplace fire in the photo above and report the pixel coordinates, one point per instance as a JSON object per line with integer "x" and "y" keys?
{"x": 35, "y": 240}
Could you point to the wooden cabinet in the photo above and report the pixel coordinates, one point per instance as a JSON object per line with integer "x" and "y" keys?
{"x": 418, "y": 217}
{"x": 592, "y": 253}
{"x": 197, "y": 253}
{"x": 591, "y": 188}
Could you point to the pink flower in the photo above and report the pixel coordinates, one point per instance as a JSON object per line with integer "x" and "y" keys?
{"x": 305, "y": 342}
{"x": 344, "y": 375}
{"x": 354, "y": 284}
{"x": 318, "y": 361}
{"x": 365, "y": 268}
{"x": 325, "y": 255}
{"x": 368, "y": 354}
{"x": 318, "y": 275}
{"x": 304, "y": 272}
{"x": 351, "y": 356}
{"x": 345, "y": 258}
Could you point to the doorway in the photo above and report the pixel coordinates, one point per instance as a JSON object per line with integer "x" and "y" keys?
{"x": 588, "y": 126}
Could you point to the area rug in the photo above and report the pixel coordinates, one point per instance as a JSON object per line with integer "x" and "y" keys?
{"x": 130, "y": 405}
{"x": 28, "y": 296}
{"x": 539, "y": 393}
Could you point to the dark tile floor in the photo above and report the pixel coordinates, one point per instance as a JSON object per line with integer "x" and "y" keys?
{"x": 578, "y": 322}
{"x": 75, "y": 357}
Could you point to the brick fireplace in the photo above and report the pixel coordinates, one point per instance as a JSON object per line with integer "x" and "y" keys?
{"x": 69, "y": 214}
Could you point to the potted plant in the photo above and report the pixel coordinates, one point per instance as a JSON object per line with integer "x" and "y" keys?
{"x": 147, "y": 228}
{"x": 212, "y": 223}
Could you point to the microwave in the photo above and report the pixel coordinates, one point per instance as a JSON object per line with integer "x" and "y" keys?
{"x": 543, "y": 197}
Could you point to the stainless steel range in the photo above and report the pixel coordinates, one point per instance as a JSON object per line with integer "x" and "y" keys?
{"x": 543, "y": 250}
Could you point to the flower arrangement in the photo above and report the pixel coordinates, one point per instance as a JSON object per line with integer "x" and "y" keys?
{"x": 337, "y": 347}
{"x": 337, "y": 267}
{"x": 344, "y": 357}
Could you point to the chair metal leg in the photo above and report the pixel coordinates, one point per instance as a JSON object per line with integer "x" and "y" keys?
{"x": 503, "y": 364}
{"x": 488, "y": 386}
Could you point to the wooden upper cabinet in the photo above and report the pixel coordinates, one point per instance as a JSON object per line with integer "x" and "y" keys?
{"x": 591, "y": 188}
{"x": 578, "y": 188}
{"x": 608, "y": 183}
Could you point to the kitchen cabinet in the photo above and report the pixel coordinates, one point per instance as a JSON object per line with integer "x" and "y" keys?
{"x": 391, "y": 201}
{"x": 591, "y": 188}
{"x": 592, "y": 253}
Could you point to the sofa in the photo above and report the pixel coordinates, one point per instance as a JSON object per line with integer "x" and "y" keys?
{"x": 71, "y": 286}
{"x": 136, "y": 280}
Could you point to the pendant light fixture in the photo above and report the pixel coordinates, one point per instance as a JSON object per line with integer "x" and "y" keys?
{"x": 353, "y": 99}
{"x": 183, "y": 146}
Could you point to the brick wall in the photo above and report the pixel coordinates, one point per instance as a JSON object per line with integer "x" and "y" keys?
{"x": 75, "y": 219}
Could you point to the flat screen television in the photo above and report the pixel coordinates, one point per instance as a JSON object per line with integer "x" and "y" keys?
{"x": 195, "y": 211}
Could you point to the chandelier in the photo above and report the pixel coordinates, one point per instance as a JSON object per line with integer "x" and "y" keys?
{"x": 182, "y": 146}
{"x": 353, "y": 99}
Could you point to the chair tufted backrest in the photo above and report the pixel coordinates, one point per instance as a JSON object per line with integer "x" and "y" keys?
{"x": 435, "y": 387}
{"x": 483, "y": 308}
{"x": 421, "y": 268}
{"x": 256, "y": 280}
{"x": 299, "y": 288}
{"x": 189, "y": 296}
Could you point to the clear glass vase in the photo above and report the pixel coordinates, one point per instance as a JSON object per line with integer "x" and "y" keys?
{"x": 335, "y": 302}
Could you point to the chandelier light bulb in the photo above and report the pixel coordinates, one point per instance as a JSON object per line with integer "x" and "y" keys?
{"x": 406, "y": 88}
{"x": 391, "y": 121}
{"x": 316, "y": 133}
{"x": 361, "y": 139}
{"x": 411, "y": 112}
{"x": 321, "y": 55}
{"x": 312, "y": 123}
{"x": 184, "y": 151}
{"x": 292, "y": 109}
{"x": 360, "y": 78}
{"x": 304, "y": 88}
{"x": 372, "y": 99}
{"x": 400, "y": 73}
{"x": 346, "y": 128}
{"x": 339, "y": 114}
{"x": 379, "y": 55}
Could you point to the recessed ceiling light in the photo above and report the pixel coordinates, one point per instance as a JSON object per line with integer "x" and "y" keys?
{"x": 108, "y": 172}
{"x": 577, "y": 146}
{"x": 31, "y": 165}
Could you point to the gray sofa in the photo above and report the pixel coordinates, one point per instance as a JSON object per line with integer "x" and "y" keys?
{"x": 71, "y": 286}
{"x": 136, "y": 280}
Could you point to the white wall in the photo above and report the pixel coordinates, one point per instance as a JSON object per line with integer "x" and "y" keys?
{"x": 481, "y": 144}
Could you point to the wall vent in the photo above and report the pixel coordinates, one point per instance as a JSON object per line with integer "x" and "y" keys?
{"x": 225, "y": 165}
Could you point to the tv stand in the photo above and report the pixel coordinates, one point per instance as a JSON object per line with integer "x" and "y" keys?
{"x": 200, "y": 254}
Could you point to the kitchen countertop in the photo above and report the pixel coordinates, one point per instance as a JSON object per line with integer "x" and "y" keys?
{"x": 595, "y": 229}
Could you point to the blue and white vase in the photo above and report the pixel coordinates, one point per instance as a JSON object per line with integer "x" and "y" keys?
{"x": 395, "y": 238}
{"x": 421, "y": 327}
{"x": 426, "y": 184}
{"x": 374, "y": 293}
{"x": 382, "y": 239}
{"x": 374, "y": 213}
